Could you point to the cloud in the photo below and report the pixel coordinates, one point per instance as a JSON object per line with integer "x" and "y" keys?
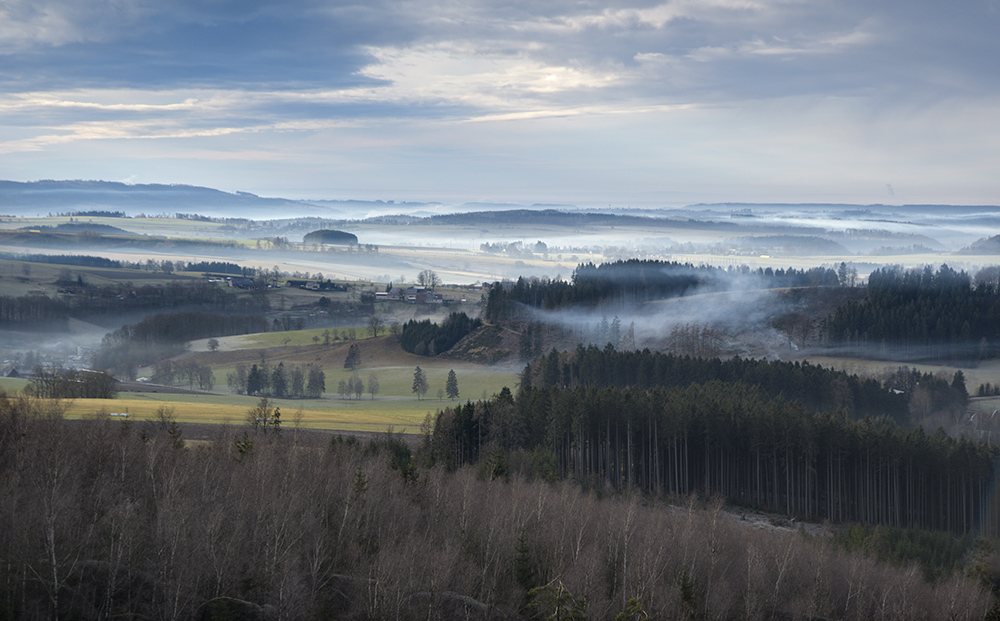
{"x": 660, "y": 85}
{"x": 426, "y": 51}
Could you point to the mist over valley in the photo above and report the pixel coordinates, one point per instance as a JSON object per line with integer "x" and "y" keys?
{"x": 744, "y": 367}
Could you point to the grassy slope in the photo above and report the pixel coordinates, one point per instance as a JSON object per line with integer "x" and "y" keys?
{"x": 395, "y": 404}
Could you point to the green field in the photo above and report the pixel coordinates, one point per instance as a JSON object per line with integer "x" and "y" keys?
{"x": 396, "y": 382}
{"x": 12, "y": 386}
{"x": 394, "y": 405}
{"x": 265, "y": 340}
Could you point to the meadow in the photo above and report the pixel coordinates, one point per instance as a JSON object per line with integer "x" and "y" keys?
{"x": 395, "y": 404}
{"x": 393, "y": 407}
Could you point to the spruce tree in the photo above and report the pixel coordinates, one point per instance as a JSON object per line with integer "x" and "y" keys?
{"x": 353, "y": 359}
{"x": 420, "y": 385}
{"x": 279, "y": 381}
{"x": 451, "y": 385}
{"x": 317, "y": 382}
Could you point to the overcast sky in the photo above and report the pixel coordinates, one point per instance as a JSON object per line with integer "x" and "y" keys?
{"x": 625, "y": 103}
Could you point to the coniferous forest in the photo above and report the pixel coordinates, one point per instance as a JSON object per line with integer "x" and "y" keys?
{"x": 733, "y": 440}
{"x": 112, "y": 300}
{"x": 425, "y": 338}
{"x": 635, "y": 280}
{"x": 924, "y": 313}
{"x": 817, "y": 388}
{"x": 938, "y": 313}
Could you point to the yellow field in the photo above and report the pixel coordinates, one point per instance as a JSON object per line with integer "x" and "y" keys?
{"x": 404, "y": 415}
{"x": 374, "y": 416}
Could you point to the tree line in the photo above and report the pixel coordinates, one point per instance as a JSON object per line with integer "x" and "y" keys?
{"x": 92, "y": 300}
{"x": 279, "y": 381}
{"x": 184, "y": 326}
{"x": 354, "y": 385}
{"x": 150, "y": 265}
{"x": 169, "y": 372}
{"x": 220, "y": 267}
{"x": 635, "y": 281}
{"x": 63, "y": 259}
{"x": 735, "y": 440}
{"x": 425, "y": 338}
{"x": 934, "y": 313}
{"x": 33, "y": 309}
{"x": 55, "y": 382}
{"x": 817, "y": 388}
{"x": 166, "y": 334}
{"x": 928, "y": 393}
{"x": 116, "y": 519}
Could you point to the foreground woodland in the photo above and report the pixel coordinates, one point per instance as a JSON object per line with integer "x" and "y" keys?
{"x": 106, "y": 518}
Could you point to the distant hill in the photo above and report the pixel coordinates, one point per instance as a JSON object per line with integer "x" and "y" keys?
{"x": 789, "y": 245}
{"x": 552, "y": 217}
{"x": 43, "y": 197}
{"x": 83, "y": 240}
{"x": 81, "y": 227}
{"x": 332, "y": 237}
{"x": 850, "y": 208}
{"x": 987, "y": 245}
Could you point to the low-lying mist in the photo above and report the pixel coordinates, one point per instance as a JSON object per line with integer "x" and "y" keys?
{"x": 729, "y": 314}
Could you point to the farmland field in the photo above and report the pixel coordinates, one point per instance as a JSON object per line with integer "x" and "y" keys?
{"x": 403, "y": 414}
{"x": 333, "y": 415}
{"x": 394, "y": 405}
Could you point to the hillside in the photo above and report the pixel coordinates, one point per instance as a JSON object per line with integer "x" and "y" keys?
{"x": 987, "y": 245}
{"x": 29, "y": 198}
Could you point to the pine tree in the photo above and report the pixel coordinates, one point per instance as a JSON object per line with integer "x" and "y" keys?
{"x": 420, "y": 385}
{"x": 279, "y": 381}
{"x": 615, "y": 333}
{"x": 255, "y": 383}
{"x": 451, "y": 385}
{"x": 353, "y": 359}
{"x": 316, "y": 384}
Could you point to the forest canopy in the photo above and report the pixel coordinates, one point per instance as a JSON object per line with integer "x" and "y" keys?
{"x": 817, "y": 388}
{"x": 425, "y": 338}
{"x": 734, "y": 440}
{"x": 938, "y": 314}
{"x": 636, "y": 281}
{"x": 332, "y": 237}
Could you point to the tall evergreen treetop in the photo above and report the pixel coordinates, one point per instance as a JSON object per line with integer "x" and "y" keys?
{"x": 420, "y": 385}
{"x": 353, "y": 359}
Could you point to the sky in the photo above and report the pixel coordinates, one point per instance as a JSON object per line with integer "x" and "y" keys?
{"x": 617, "y": 103}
